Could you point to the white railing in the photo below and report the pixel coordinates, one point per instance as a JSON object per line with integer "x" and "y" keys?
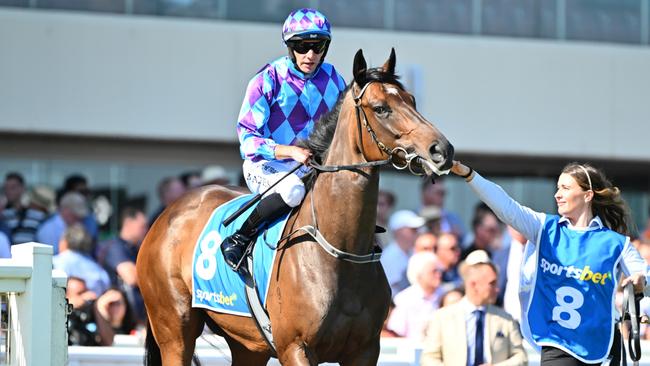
{"x": 213, "y": 351}
{"x": 35, "y": 316}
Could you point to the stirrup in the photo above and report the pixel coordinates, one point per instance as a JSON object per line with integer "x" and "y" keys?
{"x": 241, "y": 266}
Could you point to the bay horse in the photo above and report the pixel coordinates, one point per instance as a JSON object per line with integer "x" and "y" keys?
{"x": 322, "y": 308}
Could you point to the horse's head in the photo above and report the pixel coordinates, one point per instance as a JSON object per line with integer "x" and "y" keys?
{"x": 389, "y": 124}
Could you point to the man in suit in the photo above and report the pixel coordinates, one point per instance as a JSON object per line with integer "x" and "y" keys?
{"x": 474, "y": 332}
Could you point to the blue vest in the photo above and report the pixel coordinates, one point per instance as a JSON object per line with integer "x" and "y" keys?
{"x": 572, "y": 305}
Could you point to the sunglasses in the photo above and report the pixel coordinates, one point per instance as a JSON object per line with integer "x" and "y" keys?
{"x": 303, "y": 47}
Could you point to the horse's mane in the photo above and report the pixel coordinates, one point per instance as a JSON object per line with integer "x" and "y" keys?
{"x": 320, "y": 138}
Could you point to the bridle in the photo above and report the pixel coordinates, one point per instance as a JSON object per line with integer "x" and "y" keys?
{"x": 409, "y": 158}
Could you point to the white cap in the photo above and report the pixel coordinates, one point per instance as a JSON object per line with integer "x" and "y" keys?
{"x": 405, "y": 218}
{"x": 214, "y": 174}
{"x": 477, "y": 256}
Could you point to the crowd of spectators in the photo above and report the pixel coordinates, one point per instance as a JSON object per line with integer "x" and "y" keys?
{"x": 102, "y": 278}
{"x": 424, "y": 251}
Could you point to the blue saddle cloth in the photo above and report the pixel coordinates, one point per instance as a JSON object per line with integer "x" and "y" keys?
{"x": 215, "y": 285}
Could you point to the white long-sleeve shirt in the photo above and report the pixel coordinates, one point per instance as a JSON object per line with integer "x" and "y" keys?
{"x": 529, "y": 222}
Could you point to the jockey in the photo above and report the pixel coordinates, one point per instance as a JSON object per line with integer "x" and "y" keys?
{"x": 282, "y": 103}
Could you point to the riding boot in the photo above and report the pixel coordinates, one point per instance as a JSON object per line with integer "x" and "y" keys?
{"x": 268, "y": 210}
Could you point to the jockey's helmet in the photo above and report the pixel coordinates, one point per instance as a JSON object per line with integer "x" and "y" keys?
{"x": 306, "y": 23}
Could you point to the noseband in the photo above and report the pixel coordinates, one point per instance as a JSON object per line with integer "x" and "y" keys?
{"x": 409, "y": 158}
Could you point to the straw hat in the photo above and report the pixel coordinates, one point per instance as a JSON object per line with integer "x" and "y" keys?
{"x": 43, "y": 197}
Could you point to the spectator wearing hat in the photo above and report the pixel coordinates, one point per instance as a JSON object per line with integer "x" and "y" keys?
{"x": 403, "y": 225}
{"x": 432, "y": 216}
{"x": 474, "y": 331}
{"x": 72, "y": 209}
{"x": 214, "y": 174}
{"x": 416, "y": 304}
{"x": 75, "y": 259}
{"x": 78, "y": 183}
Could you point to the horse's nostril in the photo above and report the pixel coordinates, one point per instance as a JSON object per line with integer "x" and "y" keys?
{"x": 437, "y": 154}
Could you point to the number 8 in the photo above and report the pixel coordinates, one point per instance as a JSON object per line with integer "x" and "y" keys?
{"x": 208, "y": 253}
{"x": 568, "y": 307}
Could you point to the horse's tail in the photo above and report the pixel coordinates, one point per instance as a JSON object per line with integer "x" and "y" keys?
{"x": 152, "y": 355}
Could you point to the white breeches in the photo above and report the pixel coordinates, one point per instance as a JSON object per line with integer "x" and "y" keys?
{"x": 262, "y": 174}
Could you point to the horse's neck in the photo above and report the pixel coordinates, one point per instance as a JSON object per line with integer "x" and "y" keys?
{"x": 346, "y": 201}
{"x": 346, "y": 209}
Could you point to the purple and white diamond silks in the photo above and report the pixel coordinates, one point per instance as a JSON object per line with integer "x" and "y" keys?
{"x": 281, "y": 106}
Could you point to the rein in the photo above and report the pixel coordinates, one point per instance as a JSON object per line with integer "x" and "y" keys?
{"x": 631, "y": 310}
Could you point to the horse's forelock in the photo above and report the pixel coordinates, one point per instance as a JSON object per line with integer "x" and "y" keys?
{"x": 379, "y": 75}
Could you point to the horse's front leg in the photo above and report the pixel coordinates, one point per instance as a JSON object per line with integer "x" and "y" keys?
{"x": 297, "y": 354}
{"x": 366, "y": 356}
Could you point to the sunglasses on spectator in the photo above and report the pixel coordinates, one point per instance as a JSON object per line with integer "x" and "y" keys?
{"x": 303, "y": 47}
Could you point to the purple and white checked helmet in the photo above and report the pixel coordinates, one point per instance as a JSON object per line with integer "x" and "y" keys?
{"x": 306, "y": 24}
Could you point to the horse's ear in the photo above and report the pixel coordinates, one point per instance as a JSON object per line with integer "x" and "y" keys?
{"x": 359, "y": 68}
{"x": 389, "y": 65}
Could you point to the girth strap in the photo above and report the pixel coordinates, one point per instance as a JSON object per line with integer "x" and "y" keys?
{"x": 254, "y": 303}
{"x": 337, "y": 253}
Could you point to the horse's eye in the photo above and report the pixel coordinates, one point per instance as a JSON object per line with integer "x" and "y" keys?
{"x": 380, "y": 109}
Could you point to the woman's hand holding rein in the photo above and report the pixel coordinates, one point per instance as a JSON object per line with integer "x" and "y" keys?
{"x": 637, "y": 279}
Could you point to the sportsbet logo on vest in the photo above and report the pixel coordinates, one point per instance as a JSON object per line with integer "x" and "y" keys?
{"x": 572, "y": 305}
{"x": 581, "y": 274}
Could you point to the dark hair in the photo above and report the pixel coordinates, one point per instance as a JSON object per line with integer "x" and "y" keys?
{"x": 390, "y": 197}
{"x": 164, "y": 185}
{"x": 16, "y": 176}
{"x": 607, "y": 202}
{"x": 460, "y": 290}
{"x": 72, "y": 181}
{"x": 480, "y": 212}
{"x": 129, "y": 212}
{"x": 185, "y": 177}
